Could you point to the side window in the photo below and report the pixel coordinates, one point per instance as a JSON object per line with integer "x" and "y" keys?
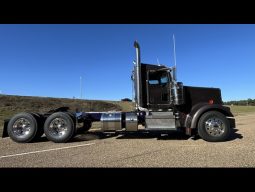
{"x": 153, "y": 82}
{"x": 164, "y": 80}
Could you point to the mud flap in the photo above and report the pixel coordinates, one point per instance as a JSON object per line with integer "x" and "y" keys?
{"x": 232, "y": 122}
{"x": 5, "y": 133}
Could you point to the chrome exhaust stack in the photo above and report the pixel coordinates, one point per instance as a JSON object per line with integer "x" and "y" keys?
{"x": 137, "y": 76}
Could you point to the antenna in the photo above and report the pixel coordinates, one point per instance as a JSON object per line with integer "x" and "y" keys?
{"x": 158, "y": 62}
{"x": 81, "y": 86}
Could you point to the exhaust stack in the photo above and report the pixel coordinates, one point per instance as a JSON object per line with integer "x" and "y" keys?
{"x": 137, "y": 79}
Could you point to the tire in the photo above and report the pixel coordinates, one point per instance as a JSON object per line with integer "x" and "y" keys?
{"x": 59, "y": 127}
{"x": 73, "y": 116}
{"x": 23, "y": 128}
{"x": 40, "y": 131}
{"x": 213, "y": 126}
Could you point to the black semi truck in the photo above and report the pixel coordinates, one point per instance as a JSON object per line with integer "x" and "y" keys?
{"x": 162, "y": 105}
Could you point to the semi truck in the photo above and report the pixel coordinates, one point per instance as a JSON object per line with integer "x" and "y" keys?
{"x": 162, "y": 105}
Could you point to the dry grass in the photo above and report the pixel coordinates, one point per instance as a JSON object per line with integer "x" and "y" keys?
{"x": 242, "y": 110}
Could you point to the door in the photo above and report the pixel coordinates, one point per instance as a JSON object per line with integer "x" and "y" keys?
{"x": 158, "y": 88}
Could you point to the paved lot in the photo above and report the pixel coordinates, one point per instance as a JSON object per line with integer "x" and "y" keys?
{"x": 175, "y": 150}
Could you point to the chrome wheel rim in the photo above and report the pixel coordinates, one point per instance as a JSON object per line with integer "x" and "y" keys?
{"x": 58, "y": 127}
{"x": 215, "y": 127}
{"x": 21, "y": 127}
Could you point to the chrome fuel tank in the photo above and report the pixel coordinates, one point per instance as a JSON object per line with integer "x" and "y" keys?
{"x": 111, "y": 121}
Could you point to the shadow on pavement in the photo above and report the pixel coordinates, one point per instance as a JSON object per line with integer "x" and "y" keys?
{"x": 91, "y": 136}
{"x": 235, "y": 135}
{"x": 138, "y": 135}
{"x": 158, "y": 136}
{"x": 41, "y": 140}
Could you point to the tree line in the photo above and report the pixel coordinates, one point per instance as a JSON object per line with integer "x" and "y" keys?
{"x": 250, "y": 102}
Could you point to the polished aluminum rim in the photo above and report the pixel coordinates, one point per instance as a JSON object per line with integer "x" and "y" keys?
{"x": 21, "y": 127}
{"x": 58, "y": 127}
{"x": 214, "y": 126}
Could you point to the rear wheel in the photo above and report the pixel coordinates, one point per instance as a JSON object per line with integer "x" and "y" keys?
{"x": 213, "y": 126}
{"x": 59, "y": 127}
{"x": 23, "y": 128}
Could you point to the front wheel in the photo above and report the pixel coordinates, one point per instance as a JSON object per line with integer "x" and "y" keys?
{"x": 213, "y": 126}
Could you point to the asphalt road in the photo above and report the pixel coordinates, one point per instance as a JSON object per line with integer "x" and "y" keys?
{"x": 174, "y": 150}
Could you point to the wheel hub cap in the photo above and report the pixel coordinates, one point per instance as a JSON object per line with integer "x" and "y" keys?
{"x": 21, "y": 127}
{"x": 214, "y": 126}
{"x": 58, "y": 127}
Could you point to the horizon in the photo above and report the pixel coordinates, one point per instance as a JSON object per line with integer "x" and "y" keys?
{"x": 48, "y": 60}
{"x": 2, "y": 94}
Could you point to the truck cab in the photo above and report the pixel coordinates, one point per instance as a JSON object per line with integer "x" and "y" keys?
{"x": 169, "y": 105}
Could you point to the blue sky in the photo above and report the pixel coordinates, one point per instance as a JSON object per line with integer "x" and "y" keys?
{"x": 48, "y": 60}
